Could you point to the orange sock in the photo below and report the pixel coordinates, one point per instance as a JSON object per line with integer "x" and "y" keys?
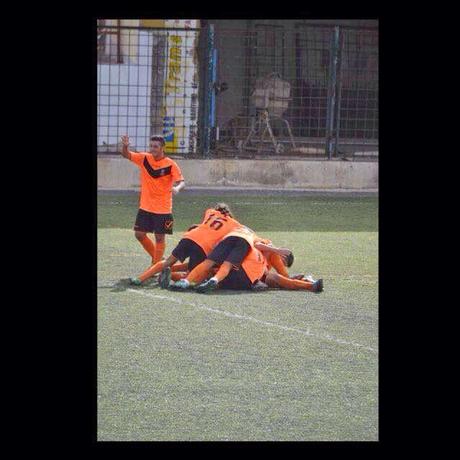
{"x": 223, "y": 271}
{"x": 149, "y": 246}
{"x": 277, "y": 263}
{"x": 289, "y": 283}
{"x": 155, "y": 268}
{"x": 175, "y": 276}
{"x": 159, "y": 251}
{"x": 179, "y": 267}
{"x": 200, "y": 272}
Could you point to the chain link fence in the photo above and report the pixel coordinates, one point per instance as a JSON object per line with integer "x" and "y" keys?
{"x": 239, "y": 88}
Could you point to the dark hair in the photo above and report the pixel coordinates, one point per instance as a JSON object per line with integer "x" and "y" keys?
{"x": 290, "y": 259}
{"x": 224, "y": 209}
{"x": 158, "y": 138}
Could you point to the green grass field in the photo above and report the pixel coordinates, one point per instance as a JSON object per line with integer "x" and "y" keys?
{"x": 240, "y": 366}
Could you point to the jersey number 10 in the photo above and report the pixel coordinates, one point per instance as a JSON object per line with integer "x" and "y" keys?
{"x": 216, "y": 223}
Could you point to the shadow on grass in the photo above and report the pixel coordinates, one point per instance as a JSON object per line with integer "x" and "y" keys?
{"x": 125, "y": 283}
{"x": 213, "y": 293}
{"x": 224, "y": 292}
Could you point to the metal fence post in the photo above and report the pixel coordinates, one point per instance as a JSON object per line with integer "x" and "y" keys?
{"x": 332, "y": 92}
{"x": 339, "y": 92}
{"x": 212, "y": 111}
{"x": 210, "y": 91}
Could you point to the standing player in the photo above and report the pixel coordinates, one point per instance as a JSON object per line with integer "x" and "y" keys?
{"x": 160, "y": 178}
{"x": 196, "y": 243}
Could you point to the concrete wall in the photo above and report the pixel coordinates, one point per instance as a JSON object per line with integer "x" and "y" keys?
{"x": 118, "y": 173}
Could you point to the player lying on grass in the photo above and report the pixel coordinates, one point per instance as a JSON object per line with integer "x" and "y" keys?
{"x": 277, "y": 259}
{"x": 242, "y": 257}
{"x": 279, "y": 280}
{"x": 196, "y": 243}
{"x": 280, "y": 262}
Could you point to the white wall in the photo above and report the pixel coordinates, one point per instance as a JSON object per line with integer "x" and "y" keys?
{"x": 126, "y": 109}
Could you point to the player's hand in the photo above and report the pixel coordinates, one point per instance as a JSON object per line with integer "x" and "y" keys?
{"x": 175, "y": 190}
{"x": 125, "y": 140}
{"x": 283, "y": 252}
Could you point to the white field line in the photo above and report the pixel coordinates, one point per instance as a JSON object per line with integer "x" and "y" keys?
{"x": 307, "y": 333}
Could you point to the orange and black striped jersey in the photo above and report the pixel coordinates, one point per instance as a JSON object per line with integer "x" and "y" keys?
{"x": 157, "y": 180}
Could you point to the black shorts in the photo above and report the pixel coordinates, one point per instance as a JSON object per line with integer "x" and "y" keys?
{"x": 150, "y": 222}
{"x": 236, "y": 280}
{"x": 188, "y": 248}
{"x": 233, "y": 249}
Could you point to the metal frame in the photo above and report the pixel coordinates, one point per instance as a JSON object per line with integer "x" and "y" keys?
{"x": 334, "y": 106}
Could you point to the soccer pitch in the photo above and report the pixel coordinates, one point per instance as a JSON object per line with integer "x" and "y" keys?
{"x": 234, "y": 365}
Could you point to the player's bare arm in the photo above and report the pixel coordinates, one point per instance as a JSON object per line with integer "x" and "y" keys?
{"x": 125, "y": 147}
{"x": 270, "y": 248}
{"x": 178, "y": 186}
{"x": 283, "y": 252}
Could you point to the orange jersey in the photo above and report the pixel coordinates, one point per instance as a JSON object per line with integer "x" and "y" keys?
{"x": 254, "y": 264}
{"x": 272, "y": 260}
{"x": 244, "y": 232}
{"x": 266, "y": 256}
{"x": 157, "y": 180}
{"x": 212, "y": 229}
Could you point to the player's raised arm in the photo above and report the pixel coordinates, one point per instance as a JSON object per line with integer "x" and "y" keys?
{"x": 124, "y": 147}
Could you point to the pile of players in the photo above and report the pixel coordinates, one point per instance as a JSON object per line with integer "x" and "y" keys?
{"x": 223, "y": 253}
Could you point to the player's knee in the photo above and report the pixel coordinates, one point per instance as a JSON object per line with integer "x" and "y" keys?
{"x": 139, "y": 235}
{"x": 159, "y": 238}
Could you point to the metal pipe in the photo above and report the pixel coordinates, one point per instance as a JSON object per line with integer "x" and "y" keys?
{"x": 119, "y": 59}
{"x": 331, "y": 92}
{"x": 339, "y": 92}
